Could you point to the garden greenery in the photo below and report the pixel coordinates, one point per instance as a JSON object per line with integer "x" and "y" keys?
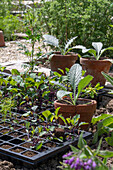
{"x": 8, "y": 22}
{"x": 89, "y": 20}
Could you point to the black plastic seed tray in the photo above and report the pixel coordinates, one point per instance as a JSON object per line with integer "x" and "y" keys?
{"x": 15, "y": 146}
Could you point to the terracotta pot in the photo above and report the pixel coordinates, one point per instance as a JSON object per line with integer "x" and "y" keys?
{"x": 86, "y": 111}
{"x": 62, "y": 61}
{"x": 94, "y": 68}
{"x": 2, "y": 43}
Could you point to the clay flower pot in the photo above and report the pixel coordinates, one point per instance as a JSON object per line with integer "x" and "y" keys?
{"x": 85, "y": 110}
{"x": 94, "y": 68}
{"x": 2, "y": 43}
{"x": 62, "y": 61}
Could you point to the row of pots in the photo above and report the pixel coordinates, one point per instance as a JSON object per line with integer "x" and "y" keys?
{"x": 92, "y": 67}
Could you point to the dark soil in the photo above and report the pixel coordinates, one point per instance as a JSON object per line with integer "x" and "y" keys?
{"x": 29, "y": 153}
{"x": 50, "y": 144}
{"x": 27, "y": 145}
{"x": 18, "y": 150}
{"x": 6, "y": 146}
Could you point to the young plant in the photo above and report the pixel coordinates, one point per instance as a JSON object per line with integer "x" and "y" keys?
{"x": 95, "y": 53}
{"x": 73, "y": 123}
{"x": 91, "y": 91}
{"x": 104, "y": 127}
{"x": 6, "y": 106}
{"x": 53, "y": 117}
{"x": 76, "y": 82}
{"x": 33, "y": 34}
{"x": 49, "y": 39}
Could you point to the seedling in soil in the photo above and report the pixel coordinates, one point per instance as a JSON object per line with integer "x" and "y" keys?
{"x": 6, "y": 107}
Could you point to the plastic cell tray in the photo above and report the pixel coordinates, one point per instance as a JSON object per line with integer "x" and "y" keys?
{"x": 16, "y": 143}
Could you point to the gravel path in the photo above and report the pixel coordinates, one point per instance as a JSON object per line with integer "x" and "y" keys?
{"x": 13, "y": 58}
{"x": 10, "y": 52}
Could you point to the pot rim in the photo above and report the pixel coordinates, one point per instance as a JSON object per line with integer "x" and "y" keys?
{"x": 91, "y": 60}
{"x": 58, "y": 53}
{"x": 92, "y": 102}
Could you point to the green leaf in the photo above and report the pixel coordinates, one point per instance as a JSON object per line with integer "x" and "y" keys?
{"x": 91, "y": 51}
{"x": 95, "y": 138}
{"x": 62, "y": 93}
{"x": 70, "y": 42}
{"x": 81, "y": 142}
{"x": 51, "y": 56}
{"x": 22, "y": 102}
{"x": 46, "y": 113}
{"x": 58, "y": 84}
{"x": 14, "y": 90}
{"x": 82, "y": 123}
{"x": 105, "y": 49}
{"x": 49, "y": 39}
{"x": 100, "y": 117}
{"x": 27, "y": 125}
{"x": 83, "y": 83}
{"x": 15, "y": 72}
{"x": 88, "y": 151}
{"x": 62, "y": 71}
{"x": 74, "y": 75}
{"x": 98, "y": 46}
{"x": 45, "y": 93}
{"x": 108, "y": 121}
{"x": 105, "y": 154}
{"x": 98, "y": 148}
{"x": 81, "y": 47}
{"x": 63, "y": 119}
{"x": 74, "y": 149}
{"x": 109, "y": 140}
{"x": 109, "y": 78}
{"x": 38, "y": 146}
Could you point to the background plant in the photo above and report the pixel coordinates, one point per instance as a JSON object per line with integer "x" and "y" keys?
{"x": 8, "y": 22}
{"x": 65, "y": 19}
{"x": 33, "y": 34}
{"x": 51, "y": 40}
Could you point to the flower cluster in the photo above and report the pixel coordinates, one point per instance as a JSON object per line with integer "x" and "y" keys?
{"x": 78, "y": 164}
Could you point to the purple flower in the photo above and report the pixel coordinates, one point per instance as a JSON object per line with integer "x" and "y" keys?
{"x": 72, "y": 165}
{"x": 67, "y": 155}
{"x": 89, "y": 161}
{"x": 66, "y": 161}
{"x": 94, "y": 164}
{"x": 64, "y": 156}
{"x": 70, "y": 153}
{"x": 85, "y": 163}
{"x": 77, "y": 161}
{"x": 87, "y": 167}
{"x": 71, "y": 160}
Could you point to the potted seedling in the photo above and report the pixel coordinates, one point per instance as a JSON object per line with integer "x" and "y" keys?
{"x": 62, "y": 58}
{"x": 69, "y": 102}
{"x": 95, "y": 63}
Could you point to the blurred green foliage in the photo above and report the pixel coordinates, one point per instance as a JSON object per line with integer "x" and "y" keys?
{"x": 88, "y": 19}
